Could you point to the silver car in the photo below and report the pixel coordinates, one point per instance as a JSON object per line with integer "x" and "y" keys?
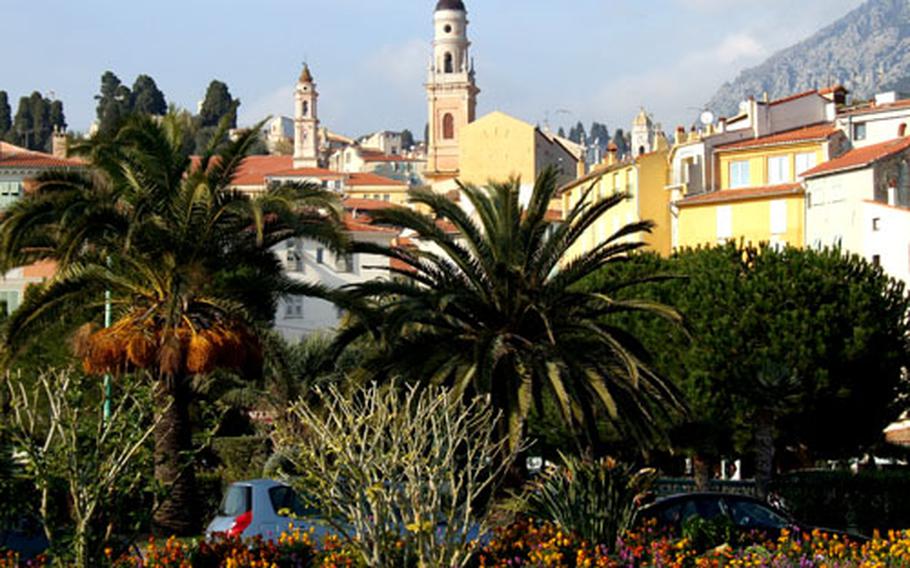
{"x": 263, "y": 508}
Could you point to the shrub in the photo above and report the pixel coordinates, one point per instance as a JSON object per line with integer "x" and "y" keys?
{"x": 864, "y": 501}
{"x": 400, "y": 473}
{"x": 241, "y": 457}
{"x": 594, "y": 499}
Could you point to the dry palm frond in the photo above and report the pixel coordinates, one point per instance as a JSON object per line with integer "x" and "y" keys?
{"x": 140, "y": 350}
{"x": 201, "y": 355}
{"x": 82, "y": 339}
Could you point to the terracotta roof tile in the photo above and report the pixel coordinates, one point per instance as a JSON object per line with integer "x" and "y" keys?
{"x": 361, "y": 224}
{"x": 356, "y": 179}
{"x": 12, "y": 156}
{"x": 255, "y": 168}
{"x": 820, "y": 131}
{"x": 358, "y": 204}
{"x": 745, "y": 194}
{"x": 860, "y": 157}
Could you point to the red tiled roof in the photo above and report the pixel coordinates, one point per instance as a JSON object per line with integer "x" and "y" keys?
{"x": 372, "y": 179}
{"x": 357, "y": 204}
{"x": 745, "y": 194}
{"x": 872, "y": 107}
{"x": 320, "y": 173}
{"x": 860, "y": 157}
{"x": 811, "y": 133}
{"x": 15, "y": 157}
{"x": 255, "y": 168}
{"x": 792, "y": 97}
{"x": 361, "y": 224}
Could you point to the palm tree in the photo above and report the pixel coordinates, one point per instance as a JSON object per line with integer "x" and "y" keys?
{"x": 497, "y": 307}
{"x": 186, "y": 262}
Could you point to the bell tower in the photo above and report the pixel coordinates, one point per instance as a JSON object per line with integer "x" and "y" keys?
{"x": 306, "y": 122}
{"x": 451, "y": 89}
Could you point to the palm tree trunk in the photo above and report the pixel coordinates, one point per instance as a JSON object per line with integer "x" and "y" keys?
{"x": 764, "y": 452}
{"x": 176, "y": 514}
{"x": 701, "y": 466}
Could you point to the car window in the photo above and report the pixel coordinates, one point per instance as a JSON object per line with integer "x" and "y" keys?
{"x": 237, "y": 501}
{"x": 751, "y": 515}
{"x": 284, "y": 497}
{"x": 679, "y": 511}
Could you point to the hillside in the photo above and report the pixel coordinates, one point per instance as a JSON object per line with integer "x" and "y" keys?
{"x": 868, "y": 51}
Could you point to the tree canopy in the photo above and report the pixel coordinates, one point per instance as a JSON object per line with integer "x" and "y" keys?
{"x": 487, "y": 310}
{"x": 794, "y": 339}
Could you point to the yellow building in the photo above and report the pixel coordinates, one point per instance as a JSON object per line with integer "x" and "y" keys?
{"x": 644, "y": 178}
{"x": 497, "y": 147}
{"x": 375, "y": 187}
{"x": 761, "y": 197}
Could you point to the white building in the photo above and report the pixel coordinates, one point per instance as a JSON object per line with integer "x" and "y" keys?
{"x": 309, "y": 261}
{"x": 860, "y": 201}
{"x": 885, "y": 118}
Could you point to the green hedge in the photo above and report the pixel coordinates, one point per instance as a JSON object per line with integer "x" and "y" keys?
{"x": 842, "y": 500}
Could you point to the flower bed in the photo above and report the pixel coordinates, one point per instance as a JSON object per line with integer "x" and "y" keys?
{"x": 532, "y": 545}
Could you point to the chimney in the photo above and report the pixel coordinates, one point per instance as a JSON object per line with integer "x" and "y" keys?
{"x": 693, "y": 135}
{"x": 611, "y": 157}
{"x": 722, "y": 124}
{"x": 59, "y": 144}
{"x": 680, "y": 137}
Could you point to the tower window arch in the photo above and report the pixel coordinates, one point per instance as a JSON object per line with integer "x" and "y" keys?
{"x": 448, "y": 65}
{"x": 448, "y": 126}
{"x": 306, "y": 108}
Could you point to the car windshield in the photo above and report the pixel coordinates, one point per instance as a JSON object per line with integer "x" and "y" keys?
{"x": 284, "y": 498}
{"x": 751, "y": 515}
{"x": 237, "y": 501}
{"x": 677, "y": 512}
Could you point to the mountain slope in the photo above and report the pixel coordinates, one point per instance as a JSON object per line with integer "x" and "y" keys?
{"x": 868, "y": 51}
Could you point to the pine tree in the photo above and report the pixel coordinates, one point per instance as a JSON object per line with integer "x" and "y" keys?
{"x": 218, "y": 104}
{"x": 57, "y": 118}
{"x": 407, "y": 139}
{"x": 562, "y": 132}
{"x": 577, "y": 134}
{"x": 6, "y": 115}
{"x": 619, "y": 138}
{"x": 599, "y": 135}
{"x": 114, "y": 103}
{"x": 41, "y": 123}
{"x": 147, "y": 97}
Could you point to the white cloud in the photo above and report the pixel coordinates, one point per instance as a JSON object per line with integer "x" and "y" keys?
{"x": 673, "y": 92}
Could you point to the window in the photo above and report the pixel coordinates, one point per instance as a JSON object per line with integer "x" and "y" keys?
{"x": 778, "y": 170}
{"x": 320, "y": 256}
{"x": 293, "y": 307}
{"x": 778, "y": 217}
{"x": 237, "y": 501}
{"x": 859, "y": 131}
{"x": 876, "y": 260}
{"x": 344, "y": 263}
{"x": 293, "y": 258}
{"x": 448, "y": 127}
{"x": 10, "y": 298}
{"x": 306, "y": 108}
{"x": 386, "y": 197}
{"x": 749, "y": 515}
{"x": 448, "y": 66}
{"x": 10, "y": 191}
{"x": 876, "y": 224}
{"x": 724, "y": 222}
{"x": 739, "y": 174}
{"x": 805, "y": 162}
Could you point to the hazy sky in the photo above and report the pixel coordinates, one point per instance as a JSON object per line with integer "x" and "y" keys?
{"x": 567, "y": 60}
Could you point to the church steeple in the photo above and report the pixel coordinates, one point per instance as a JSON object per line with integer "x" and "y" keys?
{"x": 451, "y": 89}
{"x": 306, "y": 121}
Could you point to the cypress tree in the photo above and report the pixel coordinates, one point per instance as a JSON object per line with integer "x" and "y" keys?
{"x": 147, "y": 97}
{"x": 6, "y": 115}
